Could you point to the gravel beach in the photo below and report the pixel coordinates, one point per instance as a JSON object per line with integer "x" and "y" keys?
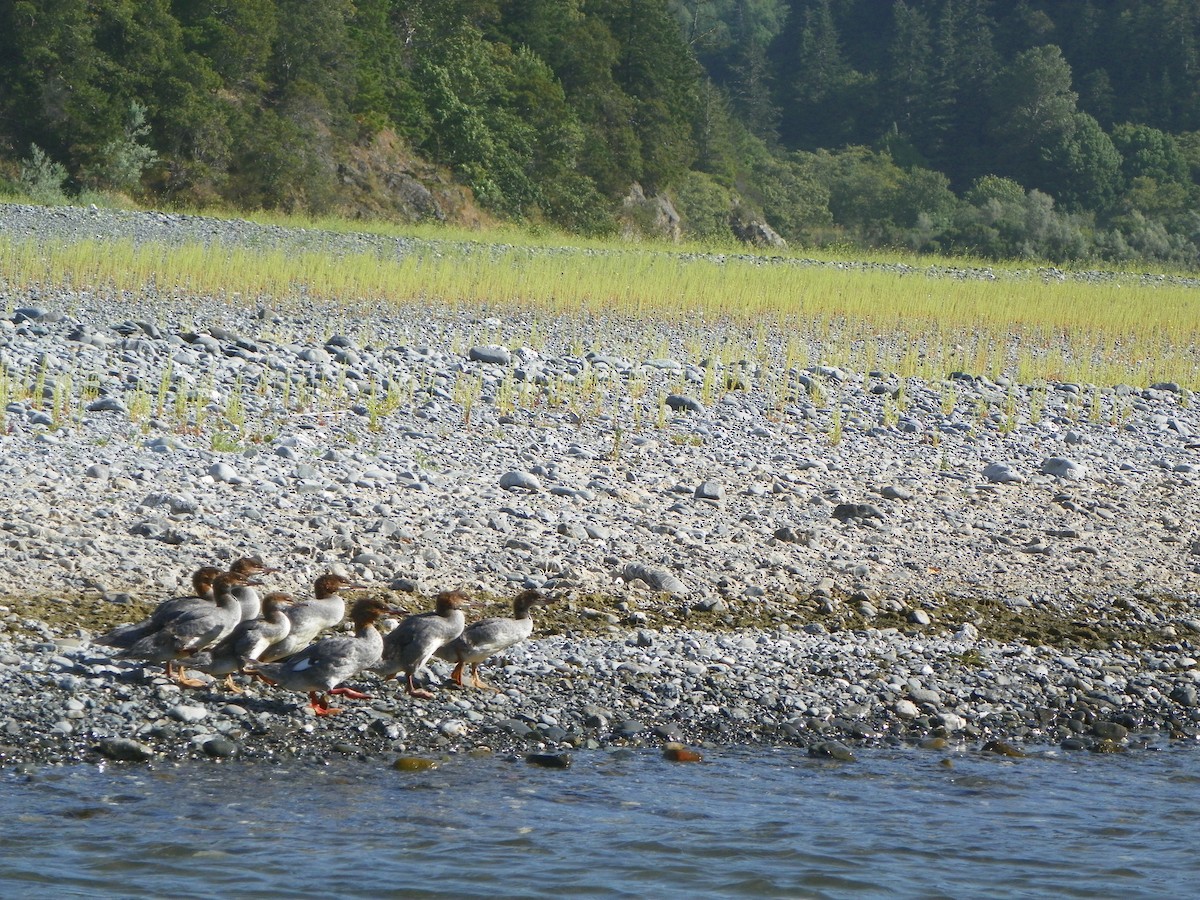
{"x": 910, "y": 562}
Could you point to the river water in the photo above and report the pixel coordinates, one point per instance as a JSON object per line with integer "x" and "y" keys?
{"x": 743, "y": 823}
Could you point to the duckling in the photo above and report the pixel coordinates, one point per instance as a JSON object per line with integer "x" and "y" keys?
{"x": 323, "y": 666}
{"x": 311, "y": 617}
{"x": 247, "y": 641}
{"x": 409, "y": 646}
{"x": 192, "y": 629}
{"x": 250, "y": 567}
{"x": 487, "y": 637}
{"x": 125, "y": 636}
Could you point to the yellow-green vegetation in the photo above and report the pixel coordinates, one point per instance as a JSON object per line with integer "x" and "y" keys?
{"x": 599, "y": 614}
{"x": 913, "y": 321}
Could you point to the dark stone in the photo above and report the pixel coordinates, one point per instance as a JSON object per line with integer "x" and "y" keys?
{"x": 684, "y": 404}
{"x": 667, "y": 732}
{"x": 220, "y": 747}
{"x": 515, "y": 727}
{"x": 831, "y": 750}
{"x": 27, "y": 314}
{"x": 844, "y": 512}
{"x": 629, "y": 728}
{"x": 1002, "y": 748}
{"x": 1110, "y": 731}
{"x": 549, "y": 760}
{"x": 492, "y": 354}
{"x": 790, "y": 535}
{"x": 124, "y": 749}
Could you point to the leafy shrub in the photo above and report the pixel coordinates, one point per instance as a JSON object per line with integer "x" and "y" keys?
{"x": 126, "y": 158}
{"x": 42, "y": 179}
{"x": 704, "y": 207}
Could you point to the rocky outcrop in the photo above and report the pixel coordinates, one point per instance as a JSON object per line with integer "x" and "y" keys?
{"x": 650, "y": 215}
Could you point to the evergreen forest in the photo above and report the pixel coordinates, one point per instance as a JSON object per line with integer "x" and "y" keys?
{"x": 1058, "y": 130}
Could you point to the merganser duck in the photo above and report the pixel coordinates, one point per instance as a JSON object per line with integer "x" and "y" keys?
{"x": 311, "y": 617}
{"x": 192, "y": 629}
{"x": 246, "y": 643}
{"x": 488, "y": 637}
{"x": 323, "y": 666}
{"x": 125, "y": 636}
{"x": 250, "y": 567}
{"x": 410, "y": 644}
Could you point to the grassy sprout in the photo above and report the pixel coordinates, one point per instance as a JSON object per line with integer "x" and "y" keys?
{"x": 816, "y": 392}
{"x": 710, "y": 377}
{"x": 1009, "y": 423}
{"x": 90, "y": 389}
{"x": 836, "y": 426}
{"x": 140, "y": 406}
{"x": 1094, "y": 407}
{"x": 383, "y": 403}
{"x": 179, "y": 408}
{"x": 224, "y": 442}
{"x": 164, "y": 387}
{"x": 235, "y": 409}
{"x": 467, "y": 389}
{"x": 1037, "y": 402}
{"x": 891, "y": 413}
{"x": 949, "y": 397}
{"x": 614, "y": 452}
{"x": 302, "y": 396}
{"x": 636, "y": 385}
{"x": 506, "y": 395}
{"x": 38, "y": 397}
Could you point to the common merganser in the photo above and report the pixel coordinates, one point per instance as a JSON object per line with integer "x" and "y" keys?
{"x": 410, "y": 644}
{"x": 192, "y": 628}
{"x": 247, "y": 641}
{"x": 250, "y": 567}
{"x": 125, "y": 636}
{"x": 323, "y": 666}
{"x": 488, "y": 637}
{"x": 311, "y": 617}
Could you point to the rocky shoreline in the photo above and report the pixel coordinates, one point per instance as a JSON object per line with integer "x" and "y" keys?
{"x": 869, "y": 560}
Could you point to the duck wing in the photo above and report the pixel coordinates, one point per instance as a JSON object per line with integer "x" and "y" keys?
{"x": 125, "y": 636}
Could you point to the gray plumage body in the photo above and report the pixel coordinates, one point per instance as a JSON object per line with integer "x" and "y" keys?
{"x": 311, "y": 617}
{"x": 192, "y": 628}
{"x": 411, "y": 643}
{"x": 123, "y": 637}
{"x": 321, "y": 667}
{"x": 248, "y": 641}
{"x": 487, "y": 637}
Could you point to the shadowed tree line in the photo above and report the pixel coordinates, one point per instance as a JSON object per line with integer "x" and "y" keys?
{"x": 1066, "y": 130}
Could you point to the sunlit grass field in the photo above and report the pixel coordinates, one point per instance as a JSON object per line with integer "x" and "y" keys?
{"x": 908, "y": 315}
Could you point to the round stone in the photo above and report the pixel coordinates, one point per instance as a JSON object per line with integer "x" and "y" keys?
{"x": 520, "y": 481}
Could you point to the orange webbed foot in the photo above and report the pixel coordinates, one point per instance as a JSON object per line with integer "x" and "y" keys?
{"x": 415, "y": 691}
{"x": 321, "y": 706}
{"x": 351, "y": 693}
{"x": 182, "y": 678}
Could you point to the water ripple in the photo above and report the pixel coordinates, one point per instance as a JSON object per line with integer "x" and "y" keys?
{"x": 745, "y": 823}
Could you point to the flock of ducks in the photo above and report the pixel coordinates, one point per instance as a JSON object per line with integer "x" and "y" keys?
{"x": 226, "y": 627}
